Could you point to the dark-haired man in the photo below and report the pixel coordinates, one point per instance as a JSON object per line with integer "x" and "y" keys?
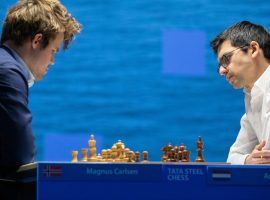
{"x": 243, "y": 53}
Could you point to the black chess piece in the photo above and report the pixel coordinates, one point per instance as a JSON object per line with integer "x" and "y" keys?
{"x": 200, "y": 147}
{"x": 185, "y": 156}
{"x": 137, "y": 156}
{"x": 145, "y": 156}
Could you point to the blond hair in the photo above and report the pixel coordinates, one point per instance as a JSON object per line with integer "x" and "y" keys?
{"x": 30, "y": 17}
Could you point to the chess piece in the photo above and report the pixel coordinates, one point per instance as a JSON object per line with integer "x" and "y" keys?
{"x": 137, "y": 156}
{"x": 182, "y": 147}
{"x": 173, "y": 159}
{"x": 132, "y": 156}
{"x": 125, "y": 154}
{"x": 104, "y": 155}
{"x": 74, "y": 156}
{"x": 200, "y": 147}
{"x": 84, "y": 154}
{"x": 109, "y": 152}
{"x": 164, "y": 157}
{"x": 145, "y": 156}
{"x": 92, "y": 148}
{"x": 184, "y": 156}
{"x": 176, "y": 150}
{"x": 169, "y": 147}
{"x": 166, "y": 149}
{"x": 120, "y": 149}
{"x": 180, "y": 152}
{"x": 129, "y": 156}
{"x": 180, "y": 156}
{"x": 114, "y": 153}
{"x": 126, "y": 150}
{"x": 99, "y": 158}
{"x": 188, "y": 156}
{"x": 164, "y": 154}
{"x": 172, "y": 155}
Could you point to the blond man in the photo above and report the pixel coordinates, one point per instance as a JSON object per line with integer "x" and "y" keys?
{"x": 33, "y": 31}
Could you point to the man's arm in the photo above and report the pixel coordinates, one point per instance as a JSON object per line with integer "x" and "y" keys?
{"x": 244, "y": 144}
{"x": 261, "y": 153}
{"x": 16, "y": 137}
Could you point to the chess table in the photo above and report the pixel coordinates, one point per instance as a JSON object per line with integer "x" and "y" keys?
{"x": 149, "y": 181}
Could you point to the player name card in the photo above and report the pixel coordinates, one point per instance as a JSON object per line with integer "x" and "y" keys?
{"x": 101, "y": 172}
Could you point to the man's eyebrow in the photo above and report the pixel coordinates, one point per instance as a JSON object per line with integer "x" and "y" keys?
{"x": 224, "y": 54}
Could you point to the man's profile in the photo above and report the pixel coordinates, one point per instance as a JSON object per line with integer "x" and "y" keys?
{"x": 33, "y": 31}
{"x": 243, "y": 52}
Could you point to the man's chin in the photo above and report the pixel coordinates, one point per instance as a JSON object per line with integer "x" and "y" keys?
{"x": 236, "y": 86}
{"x": 39, "y": 78}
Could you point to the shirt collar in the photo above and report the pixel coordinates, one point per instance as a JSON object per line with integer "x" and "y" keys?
{"x": 259, "y": 85}
{"x": 30, "y": 76}
{"x": 247, "y": 91}
{"x": 261, "y": 82}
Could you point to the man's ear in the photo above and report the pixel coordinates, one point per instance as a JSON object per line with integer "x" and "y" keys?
{"x": 255, "y": 48}
{"x": 36, "y": 41}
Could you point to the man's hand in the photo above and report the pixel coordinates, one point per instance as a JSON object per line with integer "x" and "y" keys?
{"x": 258, "y": 155}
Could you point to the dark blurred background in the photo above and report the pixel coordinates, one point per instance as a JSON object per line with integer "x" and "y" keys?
{"x": 141, "y": 71}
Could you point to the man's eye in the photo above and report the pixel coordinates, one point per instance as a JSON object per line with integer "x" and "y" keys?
{"x": 226, "y": 59}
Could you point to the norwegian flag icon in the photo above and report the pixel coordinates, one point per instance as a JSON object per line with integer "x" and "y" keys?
{"x": 52, "y": 170}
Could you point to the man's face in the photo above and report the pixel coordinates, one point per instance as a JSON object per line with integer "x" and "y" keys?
{"x": 238, "y": 68}
{"x": 43, "y": 57}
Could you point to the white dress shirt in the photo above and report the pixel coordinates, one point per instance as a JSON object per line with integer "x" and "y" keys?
{"x": 255, "y": 123}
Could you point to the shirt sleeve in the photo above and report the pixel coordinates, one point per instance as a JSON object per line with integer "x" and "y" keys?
{"x": 16, "y": 137}
{"x": 244, "y": 144}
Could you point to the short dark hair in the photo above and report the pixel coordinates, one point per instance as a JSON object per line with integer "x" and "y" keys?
{"x": 242, "y": 34}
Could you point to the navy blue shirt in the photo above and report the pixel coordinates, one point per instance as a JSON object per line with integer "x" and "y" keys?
{"x": 16, "y": 137}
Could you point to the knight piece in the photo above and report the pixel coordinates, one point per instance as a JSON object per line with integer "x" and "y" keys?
{"x": 165, "y": 150}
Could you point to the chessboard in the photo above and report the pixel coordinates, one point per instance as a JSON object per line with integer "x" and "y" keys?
{"x": 120, "y": 153}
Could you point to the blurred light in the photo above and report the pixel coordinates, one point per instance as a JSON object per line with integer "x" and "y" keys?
{"x": 184, "y": 52}
{"x": 58, "y": 146}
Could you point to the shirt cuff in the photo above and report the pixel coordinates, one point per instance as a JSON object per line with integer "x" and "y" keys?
{"x": 238, "y": 159}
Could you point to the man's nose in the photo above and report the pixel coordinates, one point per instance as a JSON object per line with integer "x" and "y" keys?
{"x": 223, "y": 71}
{"x": 52, "y": 60}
